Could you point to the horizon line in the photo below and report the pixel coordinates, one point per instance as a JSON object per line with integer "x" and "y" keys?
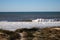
{"x": 31, "y": 11}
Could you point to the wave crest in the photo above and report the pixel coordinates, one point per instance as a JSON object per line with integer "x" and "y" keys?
{"x": 45, "y": 20}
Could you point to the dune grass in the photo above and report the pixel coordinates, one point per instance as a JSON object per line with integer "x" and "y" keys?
{"x": 48, "y": 33}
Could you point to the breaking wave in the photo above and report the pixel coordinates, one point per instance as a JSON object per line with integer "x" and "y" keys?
{"x": 40, "y": 23}
{"x": 45, "y": 20}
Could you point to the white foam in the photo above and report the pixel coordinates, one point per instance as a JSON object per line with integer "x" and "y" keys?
{"x": 16, "y": 25}
{"x": 44, "y": 20}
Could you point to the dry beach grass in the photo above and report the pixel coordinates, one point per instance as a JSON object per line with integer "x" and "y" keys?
{"x": 48, "y": 33}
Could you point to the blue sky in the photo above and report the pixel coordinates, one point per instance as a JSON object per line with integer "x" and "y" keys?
{"x": 29, "y": 5}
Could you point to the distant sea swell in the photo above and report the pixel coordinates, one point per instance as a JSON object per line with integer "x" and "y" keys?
{"x": 19, "y": 16}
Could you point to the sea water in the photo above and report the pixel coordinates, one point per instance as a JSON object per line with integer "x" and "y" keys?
{"x": 13, "y": 20}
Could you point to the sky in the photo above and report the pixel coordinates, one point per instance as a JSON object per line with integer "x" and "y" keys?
{"x": 29, "y": 5}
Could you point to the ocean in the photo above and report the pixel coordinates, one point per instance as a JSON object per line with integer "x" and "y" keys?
{"x": 15, "y": 20}
{"x": 18, "y": 16}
